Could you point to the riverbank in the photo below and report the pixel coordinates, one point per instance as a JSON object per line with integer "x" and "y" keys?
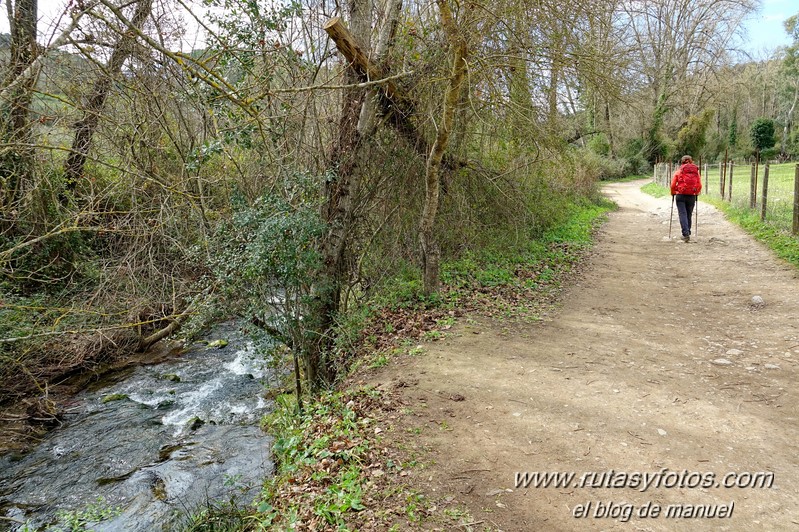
{"x": 354, "y": 459}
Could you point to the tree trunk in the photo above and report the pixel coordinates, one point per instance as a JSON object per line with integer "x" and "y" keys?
{"x": 609, "y": 126}
{"x": 337, "y": 212}
{"x": 786, "y": 129}
{"x": 393, "y": 102}
{"x": 520, "y": 97}
{"x": 554, "y": 80}
{"x": 16, "y": 159}
{"x": 367, "y": 121}
{"x": 87, "y": 126}
{"x": 429, "y": 244}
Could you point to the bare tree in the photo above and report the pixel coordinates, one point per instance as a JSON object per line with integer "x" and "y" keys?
{"x": 15, "y": 158}
{"x": 431, "y": 254}
{"x": 677, "y": 44}
{"x": 86, "y": 126}
{"x": 337, "y": 211}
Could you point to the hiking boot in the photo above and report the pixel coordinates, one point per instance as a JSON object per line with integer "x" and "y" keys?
{"x": 686, "y": 239}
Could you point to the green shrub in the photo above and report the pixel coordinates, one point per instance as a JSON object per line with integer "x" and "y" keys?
{"x": 600, "y": 144}
{"x": 602, "y": 168}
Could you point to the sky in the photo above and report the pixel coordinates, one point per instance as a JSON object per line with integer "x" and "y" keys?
{"x": 765, "y": 29}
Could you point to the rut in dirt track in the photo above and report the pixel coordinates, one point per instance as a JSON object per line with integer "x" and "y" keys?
{"x": 656, "y": 359}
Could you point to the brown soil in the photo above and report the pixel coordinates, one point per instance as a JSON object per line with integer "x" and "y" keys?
{"x": 622, "y": 377}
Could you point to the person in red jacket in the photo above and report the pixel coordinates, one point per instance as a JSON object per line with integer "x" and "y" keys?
{"x": 685, "y": 187}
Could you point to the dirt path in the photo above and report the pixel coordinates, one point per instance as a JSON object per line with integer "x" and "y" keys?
{"x": 623, "y": 378}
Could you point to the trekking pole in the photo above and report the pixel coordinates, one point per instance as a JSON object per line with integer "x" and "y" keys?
{"x": 696, "y": 210}
{"x": 671, "y": 214}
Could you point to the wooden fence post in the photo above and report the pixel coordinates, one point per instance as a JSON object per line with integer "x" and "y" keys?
{"x": 723, "y": 175}
{"x": 753, "y": 187}
{"x": 796, "y": 201}
{"x": 764, "y": 194}
{"x": 729, "y": 186}
{"x": 757, "y": 176}
{"x": 722, "y": 166}
{"x": 669, "y": 173}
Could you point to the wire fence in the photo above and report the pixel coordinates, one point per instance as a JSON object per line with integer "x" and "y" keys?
{"x": 771, "y": 190}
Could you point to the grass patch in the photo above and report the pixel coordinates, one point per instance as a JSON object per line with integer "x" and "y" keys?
{"x": 323, "y": 451}
{"x": 498, "y": 265}
{"x": 581, "y": 222}
{"x": 333, "y": 472}
{"x": 627, "y": 179}
{"x": 529, "y": 264}
{"x": 81, "y": 519}
{"x": 339, "y": 467}
{"x": 219, "y": 517}
{"x": 653, "y": 189}
{"x": 780, "y": 190}
{"x": 784, "y": 245}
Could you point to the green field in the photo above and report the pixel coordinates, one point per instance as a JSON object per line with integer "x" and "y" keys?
{"x": 779, "y": 203}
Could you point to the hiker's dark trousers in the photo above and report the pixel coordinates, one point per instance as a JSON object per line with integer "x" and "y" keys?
{"x": 685, "y": 208}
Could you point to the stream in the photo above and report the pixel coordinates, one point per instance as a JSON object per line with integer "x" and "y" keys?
{"x": 142, "y": 453}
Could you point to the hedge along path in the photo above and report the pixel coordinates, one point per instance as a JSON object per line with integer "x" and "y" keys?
{"x": 656, "y": 358}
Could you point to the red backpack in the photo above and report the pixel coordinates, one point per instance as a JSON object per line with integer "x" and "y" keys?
{"x": 688, "y": 180}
